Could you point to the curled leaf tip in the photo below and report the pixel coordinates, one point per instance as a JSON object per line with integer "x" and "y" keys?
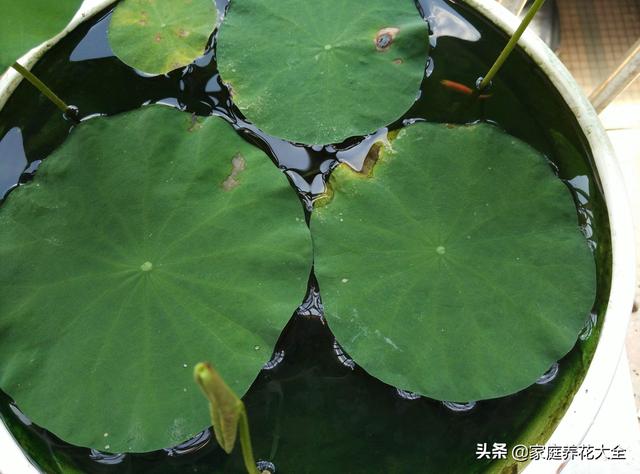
{"x": 201, "y": 372}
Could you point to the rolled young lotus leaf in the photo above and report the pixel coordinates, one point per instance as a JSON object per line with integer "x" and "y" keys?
{"x": 224, "y": 405}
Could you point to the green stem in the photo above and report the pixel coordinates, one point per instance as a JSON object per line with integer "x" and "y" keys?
{"x": 245, "y": 442}
{"x": 486, "y": 80}
{"x": 38, "y": 84}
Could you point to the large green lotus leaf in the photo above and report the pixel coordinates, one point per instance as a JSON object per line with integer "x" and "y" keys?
{"x": 157, "y": 36}
{"x": 147, "y": 243}
{"x": 26, "y": 23}
{"x": 321, "y": 71}
{"x": 455, "y": 269}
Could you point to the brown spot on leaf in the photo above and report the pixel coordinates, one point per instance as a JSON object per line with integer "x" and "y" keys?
{"x": 157, "y": 38}
{"x": 398, "y": 61}
{"x": 238, "y": 165}
{"x": 325, "y": 198}
{"x": 195, "y": 124}
{"x": 371, "y": 159}
{"x": 384, "y": 38}
{"x": 182, "y": 33}
{"x": 144, "y": 18}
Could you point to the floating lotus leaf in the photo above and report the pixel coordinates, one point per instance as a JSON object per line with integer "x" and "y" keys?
{"x": 455, "y": 268}
{"x": 322, "y": 71}
{"x": 25, "y": 24}
{"x": 157, "y": 36}
{"x": 146, "y": 243}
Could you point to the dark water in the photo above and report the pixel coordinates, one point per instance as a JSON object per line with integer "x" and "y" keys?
{"x": 312, "y": 409}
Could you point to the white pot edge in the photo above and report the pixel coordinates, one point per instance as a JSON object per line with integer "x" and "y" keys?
{"x": 587, "y": 402}
{"x": 11, "y": 79}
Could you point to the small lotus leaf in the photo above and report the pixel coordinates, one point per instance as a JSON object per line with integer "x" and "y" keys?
{"x": 157, "y": 36}
{"x": 26, "y": 23}
{"x": 318, "y": 72}
{"x": 148, "y": 242}
{"x": 456, "y": 268}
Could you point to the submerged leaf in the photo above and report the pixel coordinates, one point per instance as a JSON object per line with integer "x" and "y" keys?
{"x": 157, "y": 36}
{"x": 26, "y": 23}
{"x": 322, "y": 71}
{"x": 455, "y": 268}
{"x": 126, "y": 261}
